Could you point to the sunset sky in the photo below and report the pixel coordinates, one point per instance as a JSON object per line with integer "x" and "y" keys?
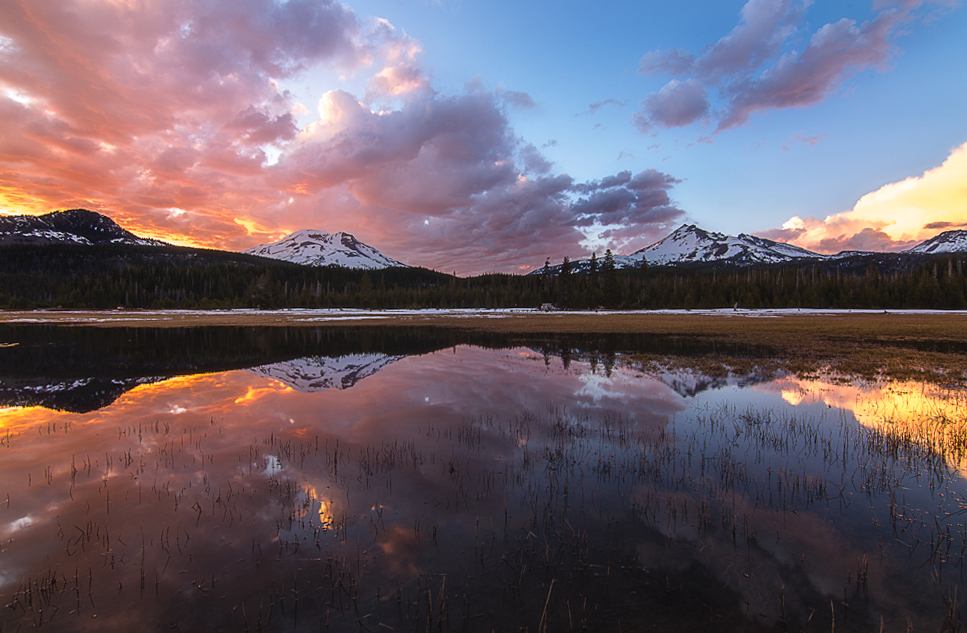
{"x": 477, "y": 136}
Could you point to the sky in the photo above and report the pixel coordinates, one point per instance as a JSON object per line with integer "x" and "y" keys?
{"x": 475, "y": 137}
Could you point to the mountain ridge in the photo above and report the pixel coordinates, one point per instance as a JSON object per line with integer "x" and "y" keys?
{"x": 686, "y": 245}
{"x": 690, "y": 244}
{"x": 72, "y": 226}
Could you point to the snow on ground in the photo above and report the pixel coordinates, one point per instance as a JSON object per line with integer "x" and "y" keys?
{"x": 335, "y": 315}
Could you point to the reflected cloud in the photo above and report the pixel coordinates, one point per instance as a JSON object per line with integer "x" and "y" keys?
{"x": 931, "y": 416}
{"x": 485, "y": 460}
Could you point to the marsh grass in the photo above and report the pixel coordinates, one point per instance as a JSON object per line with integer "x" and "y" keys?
{"x": 726, "y": 519}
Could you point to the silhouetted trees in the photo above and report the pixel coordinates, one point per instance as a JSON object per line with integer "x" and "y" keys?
{"x": 107, "y": 277}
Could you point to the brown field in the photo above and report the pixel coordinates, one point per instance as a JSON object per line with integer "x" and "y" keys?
{"x": 898, "y": 345}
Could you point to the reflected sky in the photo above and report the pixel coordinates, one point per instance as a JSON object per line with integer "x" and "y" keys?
{"x": 470, "y": 489}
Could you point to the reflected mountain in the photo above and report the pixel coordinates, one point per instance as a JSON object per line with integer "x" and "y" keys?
{"x": 82, "y": 369}
{"x": 689, "y": 383}
{"x": 318, "y": 373}
{"x": 80, "y": 395}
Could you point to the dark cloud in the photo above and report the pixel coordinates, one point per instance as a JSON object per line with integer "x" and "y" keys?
{"x": 937, "y": 226}
{"x": 471, "y": 189}
{"x": 258, "y": 127}
{"x": 781, "y": 235}
{"x": 533, "y": 161}
{"x": 625, "y": 200}
{"x": 869, "y": 239}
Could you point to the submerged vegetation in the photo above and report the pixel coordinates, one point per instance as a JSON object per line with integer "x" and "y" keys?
{"x": 485, "y": 481}
{"x": 729, "y": 519}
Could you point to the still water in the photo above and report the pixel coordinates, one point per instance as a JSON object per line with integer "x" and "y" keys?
{"x": 415, "y": 480}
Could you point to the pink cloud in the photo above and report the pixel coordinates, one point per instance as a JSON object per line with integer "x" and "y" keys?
{"x": 394, "y": 81}
{"x": 677, "y": 104}
{"x": 795, "y": 80}
{"x": 172, "y": 116}
{"x": 755, "y": 68}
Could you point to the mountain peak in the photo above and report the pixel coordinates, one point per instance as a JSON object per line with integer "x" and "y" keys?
{"x": 690, "y": 243}
{"x": 313, "y": 247}
{"x": 73, "y": 226}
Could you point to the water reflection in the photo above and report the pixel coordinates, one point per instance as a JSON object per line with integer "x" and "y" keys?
{"x": 81, "y": 369}
{"x": 477, "y": 489}
{"x": 317, "y": 373}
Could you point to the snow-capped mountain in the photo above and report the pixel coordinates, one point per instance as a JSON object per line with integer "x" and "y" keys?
{"x": 689, "y": 243}
{"x": 318, "y": 248}
{"x": 75, "y": 226}
{"x": 946, "y": 242}
{"x": 318, "y": 373}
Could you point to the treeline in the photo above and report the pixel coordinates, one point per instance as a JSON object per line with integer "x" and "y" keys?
{"x": 135, "y": 277}
{"x": 859, "y": 282}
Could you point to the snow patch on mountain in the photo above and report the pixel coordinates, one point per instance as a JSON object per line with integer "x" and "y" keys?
{"x": 319, "y": 373}
{"x": 946, "y": 242}
{"x": 689, "y": 243}
{"x": 312, "y": 247}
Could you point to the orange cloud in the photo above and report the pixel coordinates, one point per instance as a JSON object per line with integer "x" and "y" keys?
{"x": 173, "y": 118}
{"x": 894, "y": 217}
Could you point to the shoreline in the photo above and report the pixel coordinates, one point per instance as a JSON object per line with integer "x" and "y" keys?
{"x": 928, "y": 344}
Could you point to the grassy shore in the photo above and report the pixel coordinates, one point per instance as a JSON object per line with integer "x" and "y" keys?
{"x": 899, "y": 345}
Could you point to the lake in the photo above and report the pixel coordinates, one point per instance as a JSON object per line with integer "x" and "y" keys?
{"x": 419, "y": 479}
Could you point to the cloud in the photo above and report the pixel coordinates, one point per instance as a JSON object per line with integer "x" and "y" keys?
{"x": 394, "y": 81}
{"x": 677, "y": 104}
{"x": 943, "y": 226}
{"x": 516, "y": 99}
{"x": 669, "y": 62}
{"x": 755, "y": 67}
{"x": 798, "y": 80}
{"x": 894, "y": 217}
{"x": 136, "y": 108}
{"x": 798, "y": 137}
{"x": 173, "y": 117}
{"x": 594, "y": 107}
{"x": 446, "y": 177}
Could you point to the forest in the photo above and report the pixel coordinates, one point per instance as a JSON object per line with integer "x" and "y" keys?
{"x": 111, "y": 276}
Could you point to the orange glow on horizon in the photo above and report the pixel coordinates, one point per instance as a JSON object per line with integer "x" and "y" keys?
{"x": 906, "y": 212}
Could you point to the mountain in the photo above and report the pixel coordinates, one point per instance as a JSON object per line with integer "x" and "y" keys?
{"x": 75, "y": 226}
{"x": 318, "y": 373}
{"x": 689, "y": 243}
{"x": 946, "y": 242}
{"x": 318, "y": 248}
